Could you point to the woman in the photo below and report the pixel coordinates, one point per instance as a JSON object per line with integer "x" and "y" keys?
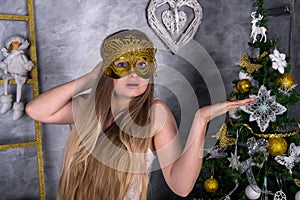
{"x": 118, "y": 125}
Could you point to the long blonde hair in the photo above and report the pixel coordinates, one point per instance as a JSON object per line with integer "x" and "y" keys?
{"x": 100, "y": 159}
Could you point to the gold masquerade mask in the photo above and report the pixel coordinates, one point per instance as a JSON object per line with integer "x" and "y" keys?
{"x": 127, "y": 51}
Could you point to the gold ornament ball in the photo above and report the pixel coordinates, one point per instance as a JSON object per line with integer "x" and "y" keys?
{"x": 277, "y": 146}
{"x": 286, "y": 81}
{"x": 243, "y": 86}
{"x": 211, "y": 185}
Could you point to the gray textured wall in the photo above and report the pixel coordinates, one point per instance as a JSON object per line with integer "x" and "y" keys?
{"x": 68, "y": 37}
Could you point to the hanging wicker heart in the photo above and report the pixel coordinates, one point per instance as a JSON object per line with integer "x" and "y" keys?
{"x": 170, "y": 22}
{"x": 171, "y": 25}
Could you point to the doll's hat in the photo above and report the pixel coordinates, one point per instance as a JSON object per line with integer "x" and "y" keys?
{"x": 14, "y": 38}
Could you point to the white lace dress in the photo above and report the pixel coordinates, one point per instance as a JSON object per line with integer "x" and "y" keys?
{"x": 132, "y": 193}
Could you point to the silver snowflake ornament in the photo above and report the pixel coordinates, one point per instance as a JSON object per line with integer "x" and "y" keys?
{"x": 234, "y": 161}
{"x": 264, "y": 109}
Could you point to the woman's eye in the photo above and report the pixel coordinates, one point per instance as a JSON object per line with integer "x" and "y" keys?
{"x": 141, "y": 64}
{"x": 121, "y": 64}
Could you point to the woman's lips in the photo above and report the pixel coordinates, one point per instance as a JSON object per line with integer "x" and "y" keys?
{"x": 132, "y": 85}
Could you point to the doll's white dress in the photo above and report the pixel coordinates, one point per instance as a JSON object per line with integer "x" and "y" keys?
{"x": 16, "y": 65}
{"x": 133, "y": 193}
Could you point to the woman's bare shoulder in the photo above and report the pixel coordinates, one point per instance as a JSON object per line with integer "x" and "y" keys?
{"x": 162, "y": 115}
{"x": 160, "y": 103}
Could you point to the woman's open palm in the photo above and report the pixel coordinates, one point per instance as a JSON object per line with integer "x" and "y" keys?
{"x": 212, "y": 111}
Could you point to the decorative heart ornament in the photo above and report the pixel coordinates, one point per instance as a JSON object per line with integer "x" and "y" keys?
{"x": 169, "y": 18}
{"x": 171, "y": 26}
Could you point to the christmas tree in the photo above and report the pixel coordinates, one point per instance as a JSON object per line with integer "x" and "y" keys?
{"x": 257, "y": 155}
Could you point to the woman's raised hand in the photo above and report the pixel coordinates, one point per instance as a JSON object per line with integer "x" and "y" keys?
{"x": 209, "y": 112}
{"x": 96, "y": 71}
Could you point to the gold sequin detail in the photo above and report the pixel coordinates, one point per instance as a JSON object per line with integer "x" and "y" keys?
{"x": 297, "y": 182}
{"x": 272, "y": 135}
{"x": 264, "y": 54}
{"x": 223, "y": 138}
{"x": 245, "y": 63}
{"x": 121, "y": 43}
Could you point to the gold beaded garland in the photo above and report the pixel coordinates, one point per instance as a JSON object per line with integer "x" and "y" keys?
{"x": 277, "y": 146}
{"x": 243, "y": 86}
{"x": 286, "y": 81}
{"x": 211, "y": 185}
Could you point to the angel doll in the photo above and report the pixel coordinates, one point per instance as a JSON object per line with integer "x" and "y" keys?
{"x": 15, "y": 66}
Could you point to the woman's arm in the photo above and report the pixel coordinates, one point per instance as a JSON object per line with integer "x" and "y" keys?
{"x": 181, "y": 168}
{"x": 55, "y": 105}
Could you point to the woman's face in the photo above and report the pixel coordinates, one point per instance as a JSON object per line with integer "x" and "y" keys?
{"x": 130, "y": 85}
